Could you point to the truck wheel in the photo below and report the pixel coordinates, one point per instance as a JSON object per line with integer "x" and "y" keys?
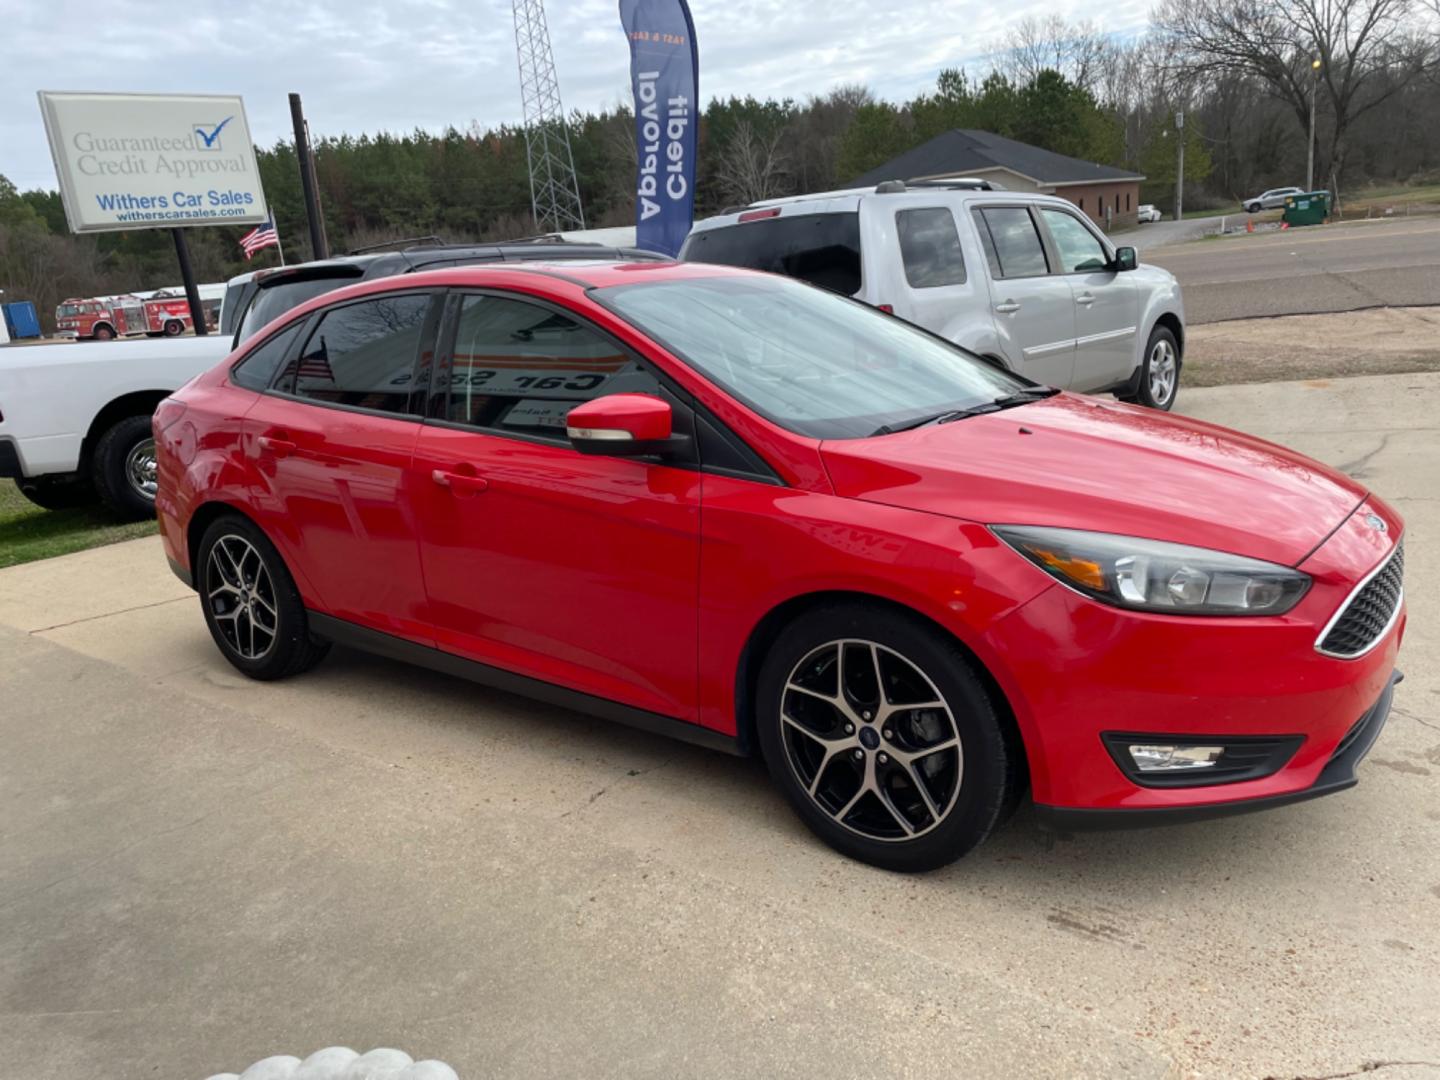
{"x": 173, "y": 328}
{"x": 103, "y": 333}
{"x": 124, "y": 468}
{"x": 58, "y": 491}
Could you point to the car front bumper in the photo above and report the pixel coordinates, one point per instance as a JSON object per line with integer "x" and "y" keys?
{"x": 1337, "y": 775}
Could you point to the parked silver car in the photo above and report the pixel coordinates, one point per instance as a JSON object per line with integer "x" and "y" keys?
{"x": 1023, "y": 280}
{"x": 1271, "y": 200}
{"x": 1148, "y": 213}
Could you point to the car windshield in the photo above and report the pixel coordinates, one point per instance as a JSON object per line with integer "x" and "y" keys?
{"x": 272, "y": 302}
{"x": 71, "y": 309}
{"x": 813, "y": 362}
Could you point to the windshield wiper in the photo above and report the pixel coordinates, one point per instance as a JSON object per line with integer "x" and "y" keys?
{"x": 938, "y": 418}
{"x": 1009, "y": 401}
{"x": 1025, "y": 396}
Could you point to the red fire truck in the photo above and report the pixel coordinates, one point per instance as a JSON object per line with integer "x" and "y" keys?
{"x": 106, "y": 317}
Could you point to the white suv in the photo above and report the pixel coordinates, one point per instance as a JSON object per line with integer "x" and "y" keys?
{"x": 1024, "y": 281}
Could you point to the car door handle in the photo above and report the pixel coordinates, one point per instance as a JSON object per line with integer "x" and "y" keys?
{"x": 461, "y": 485}
{"x": 1085, "y": 298}
{"x": 278, "y": 447}
{"x": 1007, "y": 307}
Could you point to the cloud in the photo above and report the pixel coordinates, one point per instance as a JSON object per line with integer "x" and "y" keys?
{"x": 397, "y": 65}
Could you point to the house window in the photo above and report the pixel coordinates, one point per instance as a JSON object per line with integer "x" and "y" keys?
{"x": 1117, "y": 202}
{"x": 1081, "y": 203}
{"x": 1127, "y": 202}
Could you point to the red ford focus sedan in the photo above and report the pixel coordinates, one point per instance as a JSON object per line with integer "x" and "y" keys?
{"x": 758, "y": 516}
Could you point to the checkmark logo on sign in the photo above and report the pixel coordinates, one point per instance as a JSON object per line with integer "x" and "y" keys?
{"x": 211, "y": 137}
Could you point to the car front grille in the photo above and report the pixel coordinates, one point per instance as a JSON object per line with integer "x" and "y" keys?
{"x": 1369, "y": 611}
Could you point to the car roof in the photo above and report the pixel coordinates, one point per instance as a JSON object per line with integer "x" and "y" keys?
{"x": 843, "y": 202}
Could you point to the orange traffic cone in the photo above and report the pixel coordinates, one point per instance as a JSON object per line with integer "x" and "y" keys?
{"x": 1250, "y": 225}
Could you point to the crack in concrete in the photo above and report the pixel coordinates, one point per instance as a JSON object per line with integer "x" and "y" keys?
{"x": 1365, "y": 1067}
{"x": 1356, "y": 468}
{"x": 108, "y": 614}
{"x": 628, "y": 774}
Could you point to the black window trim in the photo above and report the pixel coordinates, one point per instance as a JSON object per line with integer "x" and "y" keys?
{"x": 959, "y": 246}
{"x": 1046, "y": 247}
{"x": 436, "y": 407}
{"x": 1051, "y": 244}
{"x": 427, "y": 335}
{"x": 254, "y": 346}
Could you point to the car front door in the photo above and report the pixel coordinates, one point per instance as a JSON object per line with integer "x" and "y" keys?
{"x": 332, "y": 442}
{"x": 1105, "y": 302}
{"x": 1032, "y": 308}
{"x": 574, "y": 569}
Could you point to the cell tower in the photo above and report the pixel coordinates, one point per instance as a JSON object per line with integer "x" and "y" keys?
{"x": 554, "y": 192}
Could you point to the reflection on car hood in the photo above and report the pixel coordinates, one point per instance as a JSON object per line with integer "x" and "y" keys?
{"x": 1086, "y": 463}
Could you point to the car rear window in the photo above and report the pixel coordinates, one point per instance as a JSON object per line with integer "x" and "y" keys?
{"x": 1014, "y": 245}
{"x": 272, "y": 301}
{"x": 823, "y": 249}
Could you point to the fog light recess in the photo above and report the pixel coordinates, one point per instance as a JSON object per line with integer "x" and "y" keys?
{"x": 1190, "y": 761}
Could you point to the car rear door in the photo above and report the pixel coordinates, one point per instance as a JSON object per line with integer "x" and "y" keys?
{"x": 1032, "y": 307}
{"x": 932, "y": 286}
{"x": 1105, "y": 301}
{"x": 570, "y": 568}
{"x": 332, "y": 442}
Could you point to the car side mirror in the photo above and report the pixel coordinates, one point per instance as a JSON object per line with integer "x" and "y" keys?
{"x": 622, "y": 425}
{"x": 1125, "y": 259}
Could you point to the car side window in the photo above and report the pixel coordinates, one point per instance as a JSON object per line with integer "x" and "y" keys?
{"x": 519, "y": 368}
{"x": 257, "y": 369}
{"x": 1080, "y": 251}
{"x": 930, "y": 247}
{"x": 1018, "y": 250}
{"x": 362, "y": 355}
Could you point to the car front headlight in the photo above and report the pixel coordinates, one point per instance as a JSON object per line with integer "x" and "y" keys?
{"x": 1150, "y": 575}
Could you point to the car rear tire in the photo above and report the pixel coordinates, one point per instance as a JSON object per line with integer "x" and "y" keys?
{"x": 173, "y": 329}
{"x": 883, "y": 738}
{"x": 124, "y": 468}
{"x": 251, "y": 605}
{"x": 62, "y": 491}
{"x": 1159, "y": 374}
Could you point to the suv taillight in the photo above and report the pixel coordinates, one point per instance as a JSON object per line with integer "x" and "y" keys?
{"x": 757, "y": 215}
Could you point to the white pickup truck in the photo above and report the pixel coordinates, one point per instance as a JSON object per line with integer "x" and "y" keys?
{"x": 75, "y": 418}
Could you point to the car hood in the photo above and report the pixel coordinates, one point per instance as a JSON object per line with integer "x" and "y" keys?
{"x": 1085, "y": 463}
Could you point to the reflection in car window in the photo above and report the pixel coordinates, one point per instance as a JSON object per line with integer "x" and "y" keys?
{"x": 812, "y": 362}
{"x": 259, "y": 367}
{"x": 520, "y": 368}
{"x": 1079, "y": 250}
{"x": 362, "y": 354}
{"x": 1017, "y": 244}
{"x": 271, "y": 303}
{"x": 930, "y": 248}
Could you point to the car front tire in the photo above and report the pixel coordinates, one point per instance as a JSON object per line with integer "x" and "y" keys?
{"x": 1253, "y": 208}
{"x": 251, "y": 605}
{"x": 883, "y": 738}
{"x": 1159, "y": 372}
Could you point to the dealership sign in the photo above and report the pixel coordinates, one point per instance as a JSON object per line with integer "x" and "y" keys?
{"x": 148, "y": 161}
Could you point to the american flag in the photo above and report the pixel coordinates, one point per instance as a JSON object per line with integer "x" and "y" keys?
{"x": 262, "y": 236}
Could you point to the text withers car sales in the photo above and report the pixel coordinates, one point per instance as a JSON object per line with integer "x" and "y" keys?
{"x": 677, "y": 120}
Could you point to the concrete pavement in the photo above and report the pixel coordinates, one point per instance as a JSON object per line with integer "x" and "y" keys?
{"x": 197, "y": 871}
{"x": 1161, "y": 233}
{"x": 1345, "y": 267}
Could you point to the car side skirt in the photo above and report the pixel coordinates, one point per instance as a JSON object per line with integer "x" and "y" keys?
{"x": 343, "y": 632}
{"x": 1338, "y": 775}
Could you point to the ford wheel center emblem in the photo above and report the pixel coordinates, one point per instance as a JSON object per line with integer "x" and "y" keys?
{"x": 1376, "y": 522}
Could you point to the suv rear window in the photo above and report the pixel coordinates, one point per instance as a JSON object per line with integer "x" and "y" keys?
{"x": 823, "y": 249}
{"x": 275, "y": 300}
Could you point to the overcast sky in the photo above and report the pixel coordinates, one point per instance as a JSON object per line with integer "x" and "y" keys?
{"x": 371, "y": 65}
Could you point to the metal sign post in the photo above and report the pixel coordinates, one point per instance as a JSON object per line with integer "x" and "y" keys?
{"x": 187, "y": 275}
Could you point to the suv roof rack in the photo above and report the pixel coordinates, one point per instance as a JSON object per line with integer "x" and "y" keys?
{"x": 399, "y": 245}
{"x": 955, "y": 183}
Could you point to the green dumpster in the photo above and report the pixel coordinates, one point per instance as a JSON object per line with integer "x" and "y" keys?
{"x": 1307, "y": 208}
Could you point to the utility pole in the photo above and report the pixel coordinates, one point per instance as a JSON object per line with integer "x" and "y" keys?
{"x": 319, "y": 245}
{"x": 192, "y": 290}
{"x": 1310, "y": 143}
{"x": 554, "y": 191}
{"x": 1180, "y": 164}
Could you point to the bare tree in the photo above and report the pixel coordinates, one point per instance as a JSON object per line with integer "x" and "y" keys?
{"x": 1079, "y": 51}
{"x": 752, "y": 166}
{"x": 1369, "y": 51}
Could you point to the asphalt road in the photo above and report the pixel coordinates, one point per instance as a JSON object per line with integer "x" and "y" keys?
{"x": 198, "y": 871}
{"x": 1160, "y": 233}
{"x": 1304, "y": 271}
